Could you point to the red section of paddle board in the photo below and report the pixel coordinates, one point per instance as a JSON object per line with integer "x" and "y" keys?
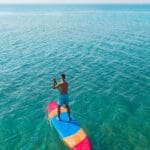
{"x": 83, "y": 145}
{"x": 51, "y": 106}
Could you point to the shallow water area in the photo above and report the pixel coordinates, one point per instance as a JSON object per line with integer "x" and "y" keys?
{"x": 104, "y": 52}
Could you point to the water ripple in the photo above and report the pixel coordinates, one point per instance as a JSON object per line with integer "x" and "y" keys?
{"x": 105, "y": 56}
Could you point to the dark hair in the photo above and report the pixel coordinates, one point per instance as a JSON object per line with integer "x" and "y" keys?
{"x": 63, "y": 76}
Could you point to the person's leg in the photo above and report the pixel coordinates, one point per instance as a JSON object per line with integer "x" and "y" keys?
{"x": 58, "y": 112}
{"x": 59, "y": 103}
{"x": 68, "y": 111}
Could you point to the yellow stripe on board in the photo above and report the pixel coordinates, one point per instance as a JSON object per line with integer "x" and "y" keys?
{"x": 74, "y": 139}
{"x": 54, "y": 112}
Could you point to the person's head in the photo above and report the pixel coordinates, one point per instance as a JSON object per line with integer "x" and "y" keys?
{"x": 63, "y": 76}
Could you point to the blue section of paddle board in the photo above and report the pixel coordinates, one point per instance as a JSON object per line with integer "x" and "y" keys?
{"x": 64, "y": 127}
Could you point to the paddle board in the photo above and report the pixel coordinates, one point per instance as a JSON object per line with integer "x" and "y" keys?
{"x": 69, "y": 131}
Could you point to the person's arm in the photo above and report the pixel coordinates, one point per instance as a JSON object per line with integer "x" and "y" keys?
{"x": 55, "y": 85}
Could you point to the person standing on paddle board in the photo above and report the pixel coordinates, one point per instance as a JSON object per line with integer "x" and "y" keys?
{"x": 63, "y": 94}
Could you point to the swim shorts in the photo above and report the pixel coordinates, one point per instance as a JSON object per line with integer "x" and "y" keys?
{"x": 62, "y": 99}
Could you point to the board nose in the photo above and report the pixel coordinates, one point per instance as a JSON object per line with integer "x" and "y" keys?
{"x": 51, "y": 106}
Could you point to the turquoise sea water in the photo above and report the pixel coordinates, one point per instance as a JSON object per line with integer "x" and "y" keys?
{"x": 104, "y": 50}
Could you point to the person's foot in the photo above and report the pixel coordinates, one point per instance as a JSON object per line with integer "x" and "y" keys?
{"x": 58, "y": 119}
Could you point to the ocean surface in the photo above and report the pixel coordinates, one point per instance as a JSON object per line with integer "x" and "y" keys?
{"x": 104, "y": 50}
